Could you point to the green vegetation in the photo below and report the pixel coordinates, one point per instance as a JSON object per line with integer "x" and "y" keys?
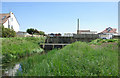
{"x": 6, "y": 32}
{"x": 18, "y": 47}
{"x": 100, "y": 41}
{"x": 35, "y": 31}
{"x": 77, "y": 59}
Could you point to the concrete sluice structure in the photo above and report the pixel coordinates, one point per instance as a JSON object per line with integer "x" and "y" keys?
{"x": 50, "y": 46}
{"x": 60, "y": 39}
{"x": 59, "y": 42}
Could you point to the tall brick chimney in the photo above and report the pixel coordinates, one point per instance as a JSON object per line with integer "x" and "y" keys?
{"x": 77, "y": 26}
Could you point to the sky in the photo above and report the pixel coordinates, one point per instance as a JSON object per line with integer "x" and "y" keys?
{"x": 60, "y": 0}
{"x": 55, "y": 17}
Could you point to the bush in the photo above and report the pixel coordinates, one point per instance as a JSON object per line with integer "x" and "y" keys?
{"x": 6, "y": 32}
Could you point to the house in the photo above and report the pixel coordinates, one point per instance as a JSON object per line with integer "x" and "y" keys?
{"x": 69, "y": 34}
{"x": 108, "y": 33}
{"x": 22, "y": 34}
{"x": 9, "y": 21}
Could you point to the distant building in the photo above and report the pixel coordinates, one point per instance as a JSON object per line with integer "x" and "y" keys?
{"x": 9, "y": 21}
{"x": 110, "y": 30}
{"x": 108, "y": 33}
{"x": 69, "y": 34}
{"x": 86, "y": 32}
{"x": 22, "y": 33}
{"x": 54, "y": 35}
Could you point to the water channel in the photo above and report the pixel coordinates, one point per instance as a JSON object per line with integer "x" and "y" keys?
{"x": 12, "y": 69}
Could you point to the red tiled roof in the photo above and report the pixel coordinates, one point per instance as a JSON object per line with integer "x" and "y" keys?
{"x": 5, "y": 19}
{"x": 113, "y": 30}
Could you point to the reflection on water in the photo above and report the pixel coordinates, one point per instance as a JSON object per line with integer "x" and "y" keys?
{"x": 14, "y": 68}
{"x": 12, "y": 71}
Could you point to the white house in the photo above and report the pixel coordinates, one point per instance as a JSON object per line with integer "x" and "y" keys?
{"x": 9, "y": 21}
{"x": 108, "y": 33}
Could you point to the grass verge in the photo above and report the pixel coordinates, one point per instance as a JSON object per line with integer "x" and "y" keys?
{"x": 77, "y": 59}
{"x": 18, "y": 47}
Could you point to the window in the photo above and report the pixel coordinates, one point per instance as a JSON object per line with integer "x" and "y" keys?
{"x": 11, "y": 26}
{"x": 3, "y": 17}
{"x": 8, "y": 26}
{"x": 109, "y": 29}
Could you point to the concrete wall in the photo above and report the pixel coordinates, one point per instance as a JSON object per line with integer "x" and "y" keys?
{"x": 60, "y": 40}
{"x": 116, "y": 36}
{"x": 50, "y": 47}
{"x": 67, "y": 40}
{"x": 86, "y": 36}
{"x": 78, "y": 37}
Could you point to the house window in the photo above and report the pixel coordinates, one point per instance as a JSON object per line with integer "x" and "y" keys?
{"x": 109, "y": 29}
{"x": 3, "y": 17}
{"x": 8, "y": 26}
{"x": 11, "y": 26}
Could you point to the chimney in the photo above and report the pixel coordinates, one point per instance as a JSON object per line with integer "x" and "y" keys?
{"x": 77, "y": 26}
{"x": 10, "y": 13}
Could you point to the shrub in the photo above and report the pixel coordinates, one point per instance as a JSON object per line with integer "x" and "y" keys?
{"x": 6, "y": 32}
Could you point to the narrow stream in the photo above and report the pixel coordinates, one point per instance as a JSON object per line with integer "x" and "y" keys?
{"x": 11, "y": 69}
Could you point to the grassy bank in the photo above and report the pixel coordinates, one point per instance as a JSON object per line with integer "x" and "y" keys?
{"x": 100, "y": 41}
{"x": 77, "y": 59}
{"x": 18, "y": 47}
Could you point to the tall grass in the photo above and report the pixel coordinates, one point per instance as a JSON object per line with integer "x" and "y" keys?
{"x": 77, "y": 59}
{"x": 18, "y": 47}
{"x": 100, "y": 41}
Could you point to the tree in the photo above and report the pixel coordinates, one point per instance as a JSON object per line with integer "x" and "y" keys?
{"x": 35, "y": 31}
{"x": 31, "y": 31}
{"x": 41, "y": 33}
